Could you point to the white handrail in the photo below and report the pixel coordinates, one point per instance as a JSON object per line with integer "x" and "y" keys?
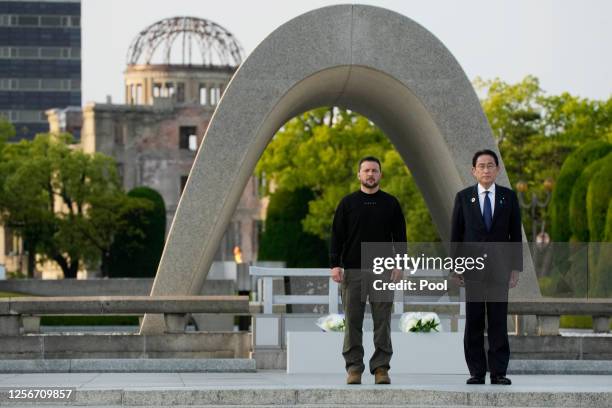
{"x": 268, "y": 274}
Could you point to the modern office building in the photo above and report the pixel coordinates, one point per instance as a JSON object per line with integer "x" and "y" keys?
{"x": 40, "y": 61}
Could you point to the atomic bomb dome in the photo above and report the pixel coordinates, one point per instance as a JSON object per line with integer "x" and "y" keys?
{"x": 187, "y": 59}
{"x": 177, "y": 70}
{"x": 185, "y": 41}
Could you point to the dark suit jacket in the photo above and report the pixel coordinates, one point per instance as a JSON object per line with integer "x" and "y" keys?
{"x": 469, "y": 236}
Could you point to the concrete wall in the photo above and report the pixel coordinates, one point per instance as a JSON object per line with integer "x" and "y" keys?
{"x": 185, "y": 345}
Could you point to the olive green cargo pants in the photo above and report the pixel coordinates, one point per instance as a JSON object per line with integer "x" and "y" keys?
{"x": 353, "y": 286}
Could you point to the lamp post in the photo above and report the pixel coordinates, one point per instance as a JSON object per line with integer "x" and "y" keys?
{"x": 533, "y": 205}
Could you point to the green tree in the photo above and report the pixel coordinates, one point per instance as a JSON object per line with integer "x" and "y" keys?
{"x": 283, "y": 238}
{"x": 25, "y": 201}
{"x": 570, "y": 171}
{"x": 7, "y": 131}
{"x": 578, "y": 203}
{"x": 608, "y": 230}
{"x": 64, "y": 203}
{"x": 320, "y": 150}
{"x": 514, "y": 115}
{"x": 136, "y": 251}
{"x": 599, "y": 200}
{"x": 112, "y": 216}
{"x": 577, "y": 120}
{"x": 536, "y": 133}
{"x": 604, "y": 266}
{"x": 27, "y": 227}
{"x": 599, "y": 197}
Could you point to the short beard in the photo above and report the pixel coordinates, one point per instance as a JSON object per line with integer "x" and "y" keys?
{"x": 364, "y": 183}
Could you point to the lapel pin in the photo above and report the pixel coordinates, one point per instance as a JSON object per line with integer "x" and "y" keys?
{"x": 473, "y": 199}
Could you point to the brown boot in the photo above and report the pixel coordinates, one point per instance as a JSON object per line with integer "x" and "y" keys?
{"x": 354, "y": 377}
{"x": 381, "y": 376}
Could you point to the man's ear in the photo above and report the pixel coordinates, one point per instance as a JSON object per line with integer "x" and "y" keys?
{"x": 474, "y": 172}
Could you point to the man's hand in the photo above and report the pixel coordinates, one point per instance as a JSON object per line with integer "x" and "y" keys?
{"x": 396, "y": 275}
{"x": 336, "y": 274}
{"x": 514, "y": 278}
{"x": 458, "y": 279}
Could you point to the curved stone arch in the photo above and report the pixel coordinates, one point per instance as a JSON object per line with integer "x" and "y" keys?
{"x": 368, "y": 59}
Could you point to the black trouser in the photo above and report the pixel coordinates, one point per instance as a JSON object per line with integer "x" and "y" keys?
{"x": 353, "y": 301}
{"x": 496, "y": 314}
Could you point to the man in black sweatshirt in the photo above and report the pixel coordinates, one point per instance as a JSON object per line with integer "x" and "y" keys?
{"x": 367, "y": 215}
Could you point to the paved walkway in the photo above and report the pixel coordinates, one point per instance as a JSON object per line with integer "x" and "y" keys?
{"x": 276, "y": 388}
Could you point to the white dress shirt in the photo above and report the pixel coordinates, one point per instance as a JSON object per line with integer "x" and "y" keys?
{"x": 481, "y": 197}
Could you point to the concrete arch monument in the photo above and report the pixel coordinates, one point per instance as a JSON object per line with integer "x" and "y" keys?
{"x": 368, "y": 59}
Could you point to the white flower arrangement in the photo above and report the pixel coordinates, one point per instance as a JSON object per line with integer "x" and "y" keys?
{"x": 331, "y": 323}
{"x": 419, "y": 322}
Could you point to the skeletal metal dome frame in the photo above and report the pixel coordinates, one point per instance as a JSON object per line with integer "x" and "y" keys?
{"x": 194, "y": 37}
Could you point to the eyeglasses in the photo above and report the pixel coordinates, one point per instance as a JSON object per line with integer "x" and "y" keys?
{"x": 489, "y": 166}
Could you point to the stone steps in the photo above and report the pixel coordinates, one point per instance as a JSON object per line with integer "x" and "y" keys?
{"x": 279, "y": 389}
{"x": 245, "y": 365}
{"x": 130, "y": 365}
{"x": 366, "y": 396}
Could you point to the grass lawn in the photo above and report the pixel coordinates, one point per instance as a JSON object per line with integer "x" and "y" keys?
{"x": 577, "y": 322}
{"x": 12, "y": 294}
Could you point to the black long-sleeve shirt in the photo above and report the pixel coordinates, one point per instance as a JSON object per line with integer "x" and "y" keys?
{"x": 362, "y": 217}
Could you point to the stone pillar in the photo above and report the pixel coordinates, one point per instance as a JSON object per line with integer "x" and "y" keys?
{"x": 146, "y": 92}
{"x": 31, "y": 324}
{"x": 9, "y": 325}
{"x": 601, "y": 324}
{"x": 2, "y": 245}
{"x": 548, "y": 325}
{"x": 175, "y": 322}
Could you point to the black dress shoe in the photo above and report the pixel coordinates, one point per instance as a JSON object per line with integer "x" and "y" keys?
{"x": 500, "y": 380}
{"x": 475, "y": 380}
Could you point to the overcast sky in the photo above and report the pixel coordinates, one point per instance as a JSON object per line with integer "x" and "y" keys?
{"x": 566, "y": 44}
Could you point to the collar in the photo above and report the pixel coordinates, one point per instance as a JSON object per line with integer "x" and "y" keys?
{"x": 481, "y": 189}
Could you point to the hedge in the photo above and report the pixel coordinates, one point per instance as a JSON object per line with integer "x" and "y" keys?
{"x": 578, "y": 208}
{"x": 570, "y": 171}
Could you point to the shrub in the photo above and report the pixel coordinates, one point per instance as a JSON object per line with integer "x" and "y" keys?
{"x": 137, "y": 256}
{"x": 578, "y": 208}
{"x": 570, "y": 171}
{"x": 284, "y": 238}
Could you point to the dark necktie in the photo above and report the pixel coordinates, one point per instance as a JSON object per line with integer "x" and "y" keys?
{"x": 487, "y": 213}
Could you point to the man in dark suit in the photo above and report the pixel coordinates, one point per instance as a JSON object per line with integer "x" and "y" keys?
{"x": 487, "y": 220}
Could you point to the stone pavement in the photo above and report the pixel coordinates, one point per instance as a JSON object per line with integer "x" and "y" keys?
{"x": 276, "y": 388}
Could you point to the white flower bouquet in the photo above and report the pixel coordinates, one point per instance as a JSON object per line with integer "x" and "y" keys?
{"x": 419, "y": 322}
{"x": 331, "y": 323}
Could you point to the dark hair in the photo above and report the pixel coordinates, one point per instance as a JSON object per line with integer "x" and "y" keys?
{"x": 484, "y": 152}
{"x": 370, "y": 159}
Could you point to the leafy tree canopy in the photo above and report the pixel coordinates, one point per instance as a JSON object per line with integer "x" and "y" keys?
{"x": 67, "y": 205}
{"x": 320, "y": 150}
